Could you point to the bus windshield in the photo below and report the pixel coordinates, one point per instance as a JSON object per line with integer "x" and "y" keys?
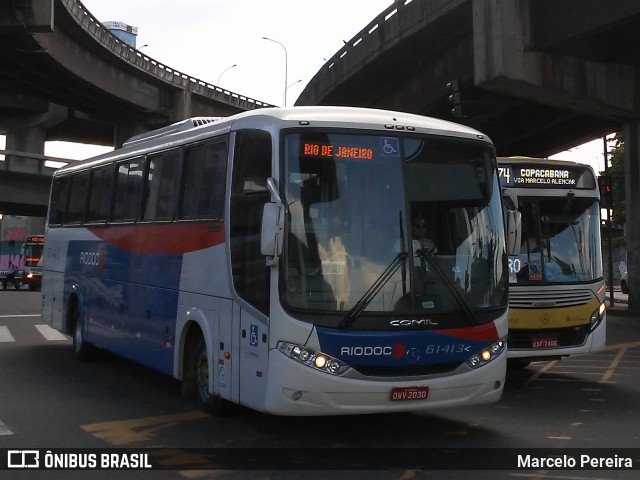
{"x": 560, "y": 241}
{"x": 33, "y": 254}
{"x": 358, "y": 203}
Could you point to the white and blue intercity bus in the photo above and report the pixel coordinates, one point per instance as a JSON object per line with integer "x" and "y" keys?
{"x": 270, "y": 259}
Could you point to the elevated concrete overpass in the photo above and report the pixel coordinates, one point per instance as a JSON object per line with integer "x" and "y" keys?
{"x": 537, "y": 76}
{"x": 64, "y": 72}
{"x": 65, "y": 77}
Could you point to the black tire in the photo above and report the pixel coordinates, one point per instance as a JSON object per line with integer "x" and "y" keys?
{"x": 196, "y": 379}
{"x": 81, "y": 348}
{"x": 624, "y": 287}
{"x": 517, "y": 364}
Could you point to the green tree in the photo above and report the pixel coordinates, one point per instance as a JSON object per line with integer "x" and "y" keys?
{"x": 616, "y": 171}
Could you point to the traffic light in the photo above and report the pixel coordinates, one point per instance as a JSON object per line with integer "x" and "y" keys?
{"x": 455, "y": 98}
{"x": 606, "y": 191}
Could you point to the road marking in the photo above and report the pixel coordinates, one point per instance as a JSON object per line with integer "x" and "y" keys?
{"x": 125, "y": 432}
{"x": 5, "y": 335}
{"x": 18, "y": 316}
{"x": 49, "y": 333}
{"x": 4, "y": 430}
{"x": 614, "y": 364}
{"x": 544, "y": 369}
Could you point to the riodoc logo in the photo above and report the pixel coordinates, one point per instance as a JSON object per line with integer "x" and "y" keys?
{"x": 395, "y": 351}
{"x": 23, "y": 459}
{"x": 95, "y": 259}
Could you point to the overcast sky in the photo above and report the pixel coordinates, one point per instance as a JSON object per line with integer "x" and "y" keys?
{"x": 206, "y": 38}
{"x": 203, "y": 38}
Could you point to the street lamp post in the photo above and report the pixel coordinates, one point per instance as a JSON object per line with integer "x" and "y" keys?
{"x": 286, "y": 62}
{"x": 289, "y": 86}
{"x": 224, "y": 71}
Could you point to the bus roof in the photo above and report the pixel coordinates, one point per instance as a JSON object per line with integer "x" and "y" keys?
{"x": 278, "y": 118}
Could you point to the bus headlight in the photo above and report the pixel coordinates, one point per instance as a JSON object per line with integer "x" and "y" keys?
{"x": 313, "y": 359}
{"x": 597, "y": 316}
{"x": 487, "y": 354}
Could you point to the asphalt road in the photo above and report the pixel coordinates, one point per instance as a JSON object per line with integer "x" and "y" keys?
{"x": 48, "y": 399}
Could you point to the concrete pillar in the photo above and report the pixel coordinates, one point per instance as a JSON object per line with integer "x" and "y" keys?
{"x": 501, "y": 37}
{"x": 26, "y": 140}
{"x": 28, "y": 134}
{"x": 632, "y": 225}
{"x": 505, "y": 62}
{"x": 181, "y": 105}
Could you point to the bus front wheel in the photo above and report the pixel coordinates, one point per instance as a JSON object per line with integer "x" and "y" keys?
{"x": 517, "y": 363}
{"x": 196, "y": 380}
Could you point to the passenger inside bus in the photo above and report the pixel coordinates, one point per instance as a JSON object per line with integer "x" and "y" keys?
{"x": 421, "y": 241}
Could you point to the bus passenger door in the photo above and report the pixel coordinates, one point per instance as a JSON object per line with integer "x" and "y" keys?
{"x": 250, "y": 273}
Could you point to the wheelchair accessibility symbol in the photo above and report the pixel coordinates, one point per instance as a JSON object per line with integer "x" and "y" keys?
{"x": 253, "y": 335}
{"x": 390, "y": 146}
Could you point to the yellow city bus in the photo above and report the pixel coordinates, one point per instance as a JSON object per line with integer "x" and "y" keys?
{"x": 556, "y": 281}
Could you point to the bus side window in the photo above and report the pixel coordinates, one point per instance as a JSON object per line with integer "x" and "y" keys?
{"x": 251, "y": 168}
{"x": 163, "y": 185}
{"x": 204, "y": 181}
{"x": 77, "y": 198}
{"x": 128, "y": 190}
{"x": 101, "y": 184}
{"x": 59, "y": 197}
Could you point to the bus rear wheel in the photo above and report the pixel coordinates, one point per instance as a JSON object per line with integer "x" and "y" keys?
{"x": 196, "y": 380}
{"x": 82, "y": 350}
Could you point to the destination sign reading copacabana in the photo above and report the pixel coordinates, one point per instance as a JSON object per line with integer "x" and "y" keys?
{"x": 542, "y": 176}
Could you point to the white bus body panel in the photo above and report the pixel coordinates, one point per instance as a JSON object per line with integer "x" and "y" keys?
{"x": 323, "y": 394}
{"x": 320, "y": 393}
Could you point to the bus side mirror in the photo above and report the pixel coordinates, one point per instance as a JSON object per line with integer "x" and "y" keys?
{"x": 271, "y": 230}
{"x": 514, "y": 232}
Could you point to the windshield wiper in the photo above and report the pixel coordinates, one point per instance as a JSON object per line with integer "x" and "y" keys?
{"x": 457, "y": 296}
{"x": 373, "y": 290}
{"x": 368, "y": 296}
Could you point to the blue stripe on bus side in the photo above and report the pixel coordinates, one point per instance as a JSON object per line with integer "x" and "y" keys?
{"x": 129, "y": 300}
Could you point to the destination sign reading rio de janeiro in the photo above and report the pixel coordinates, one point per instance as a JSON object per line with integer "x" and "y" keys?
{"x": 537, "y": 176}
{"x": 338, "y": 151}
